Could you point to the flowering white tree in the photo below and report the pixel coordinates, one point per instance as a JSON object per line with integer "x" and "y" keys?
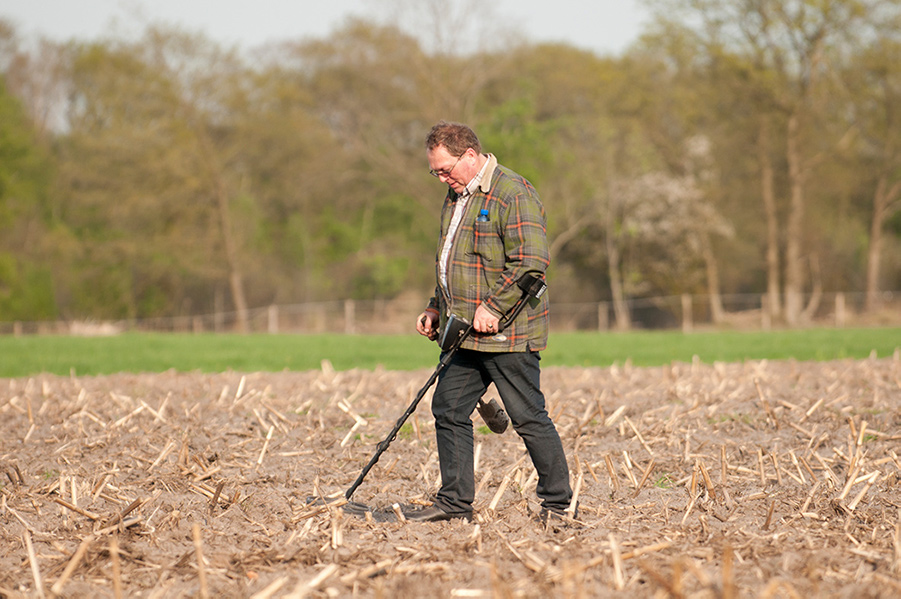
{"x": 673, "y": 218}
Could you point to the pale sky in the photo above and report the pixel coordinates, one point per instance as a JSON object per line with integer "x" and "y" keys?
{"x": 602, "y": 26}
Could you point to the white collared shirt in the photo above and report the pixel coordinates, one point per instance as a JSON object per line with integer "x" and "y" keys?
{"x": 459, "y": 209}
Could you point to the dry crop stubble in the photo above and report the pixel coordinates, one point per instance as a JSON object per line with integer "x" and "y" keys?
{"x": 771, "y": 479}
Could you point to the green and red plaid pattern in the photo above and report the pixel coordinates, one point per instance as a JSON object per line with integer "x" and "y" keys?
{"x": 488, "y": 258}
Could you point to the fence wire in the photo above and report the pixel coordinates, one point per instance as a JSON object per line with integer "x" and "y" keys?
{"x": 389, "y": 317}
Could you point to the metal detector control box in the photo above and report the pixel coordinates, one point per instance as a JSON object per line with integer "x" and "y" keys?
{"x": 454, "y": 327}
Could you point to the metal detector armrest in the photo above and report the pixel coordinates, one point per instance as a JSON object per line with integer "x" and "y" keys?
{"x": 532, "y": 285}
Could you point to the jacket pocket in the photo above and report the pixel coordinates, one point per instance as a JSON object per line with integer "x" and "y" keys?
{"x": 487, "y": 243}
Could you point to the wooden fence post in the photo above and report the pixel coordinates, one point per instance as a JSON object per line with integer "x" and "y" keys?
{"x": 349, "y": 317}
{"x": 272, "y": 318}
{"x": 603, "y": 317}
{"x": 840, "y": 316}
{"x": 766, "y": 316}
{"x": 687, "y": 322}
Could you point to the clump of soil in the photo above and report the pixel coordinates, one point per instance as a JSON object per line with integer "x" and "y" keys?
{"x": 756, "y": 479}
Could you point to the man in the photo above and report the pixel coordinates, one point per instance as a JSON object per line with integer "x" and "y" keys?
{"x": 492, "y": 233}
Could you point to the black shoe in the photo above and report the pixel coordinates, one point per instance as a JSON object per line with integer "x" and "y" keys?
{"x": 436, "y": 514}
{"x": 556, "y": 515}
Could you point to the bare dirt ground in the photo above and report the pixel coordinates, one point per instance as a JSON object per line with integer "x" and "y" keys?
{"x": 767, "y": 479}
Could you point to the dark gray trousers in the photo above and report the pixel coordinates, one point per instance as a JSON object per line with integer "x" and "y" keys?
{"x": 517, "y": 379}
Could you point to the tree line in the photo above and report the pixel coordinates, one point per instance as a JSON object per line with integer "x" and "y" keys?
{"x": 736, "y": 147}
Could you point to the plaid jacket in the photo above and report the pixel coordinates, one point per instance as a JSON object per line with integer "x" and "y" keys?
{"x": 488, "y": 258}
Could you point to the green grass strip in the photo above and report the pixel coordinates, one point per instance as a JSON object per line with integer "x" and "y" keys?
{"x": 149, "y": 352}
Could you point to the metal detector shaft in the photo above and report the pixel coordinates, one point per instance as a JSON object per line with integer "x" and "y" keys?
{"x": 383, "y": 446}
{"x": 534, "y": 287}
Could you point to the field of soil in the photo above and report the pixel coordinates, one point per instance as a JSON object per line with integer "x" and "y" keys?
{"x": 763, "y": 479}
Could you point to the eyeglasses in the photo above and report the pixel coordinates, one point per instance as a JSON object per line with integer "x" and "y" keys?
{"x": 447, "y": 172}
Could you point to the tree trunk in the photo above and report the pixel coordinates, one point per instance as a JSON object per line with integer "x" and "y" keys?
{"x": 717, "y": 313}
{"x": 223, "y": 210}
{"x": 768, "y": 194}
{"x": 816, "y": 293}
{"x": 235, "y": 276}
{"x": 620, "y": 309}
{"x": 882, "y": 201}
{"x": 217, "y": 179}
{"x": 794, "y": 274}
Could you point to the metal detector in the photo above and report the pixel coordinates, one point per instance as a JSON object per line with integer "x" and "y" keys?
{"x": 455, "y": 333}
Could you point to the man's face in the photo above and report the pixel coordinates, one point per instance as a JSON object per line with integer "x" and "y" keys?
{"x": 455, "y": 171}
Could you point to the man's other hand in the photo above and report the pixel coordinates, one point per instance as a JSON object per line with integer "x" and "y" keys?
{"x": 426, "y": 325}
